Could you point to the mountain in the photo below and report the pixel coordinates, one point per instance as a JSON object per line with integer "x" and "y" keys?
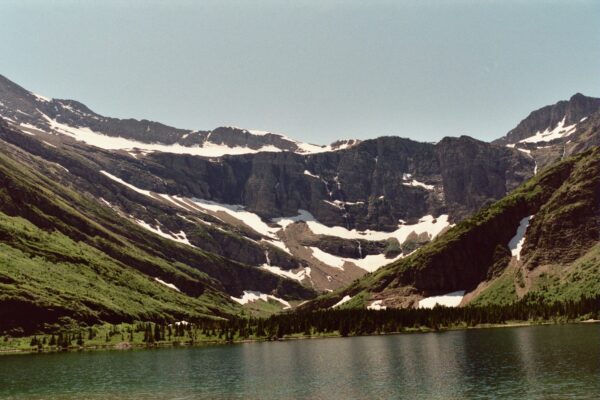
{"x": 322, "y": 217}
{"x": 68, "y": 253}
{"x": 543, "y": 239}
{"x": 557, "y": 131}
{"x": 34, "y": 112}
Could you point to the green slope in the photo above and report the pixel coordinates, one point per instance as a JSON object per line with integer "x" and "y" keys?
{"x": 63, "y": 253}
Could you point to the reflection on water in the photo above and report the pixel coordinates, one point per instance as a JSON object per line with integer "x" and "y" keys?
{"x": 535, "y": 362}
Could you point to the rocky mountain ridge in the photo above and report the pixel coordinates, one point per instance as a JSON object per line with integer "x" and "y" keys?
{"x": 541, "y": 239}
{"x": 323, "y": 219}
{"x": 557, "y": 131}
{"x": 31, "y": 111}
{"x": 319, "y": 216}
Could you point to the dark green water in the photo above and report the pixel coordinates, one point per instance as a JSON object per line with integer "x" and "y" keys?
{"x": 541, "y": 362}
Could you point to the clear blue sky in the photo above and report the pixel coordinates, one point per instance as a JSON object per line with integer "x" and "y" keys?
{"x": 315, "y": 70}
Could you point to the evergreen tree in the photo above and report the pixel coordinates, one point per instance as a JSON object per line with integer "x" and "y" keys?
{"x": 156, "y": 332}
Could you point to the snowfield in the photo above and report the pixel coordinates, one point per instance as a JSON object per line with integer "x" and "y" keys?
{"x": 516, "y": 243}
{"x": 370, "y": 263}
{"x": 560, "y": 131}
{"x": 427, "y": 224}
{"x": 176, "y": 237}
{"x": 250, "y": 296}
{"x": 170, "y": 285}
{"x": 376, "y": 305}
{"x": 297, "y": 276}
{"x": 449, "y": 300}
{"x": 345, "y": 299}
{"x": 207, "y": 149}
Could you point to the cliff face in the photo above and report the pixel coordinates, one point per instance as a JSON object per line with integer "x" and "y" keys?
{"x": 369, "y": 186}
{"x": 556, "y": 255}
{"x": 224, "y": 190}
{"x": 557, "y": 131}
{"x": 572, "y": 111}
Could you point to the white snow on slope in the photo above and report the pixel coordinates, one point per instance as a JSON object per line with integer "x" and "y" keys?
{"x": 427, "y": 224}
{"x": 416, "y": 183}
{"x": 373, "y": 262}
{"x": 329, "y": 259}
{"x": 308, "y": 173}
{"x": 88, "y": 136}
{"x": 449, "y": 300}
{"x": 29, "y": 126}
{"x": 167, "y": 284}
{"x": 297, "y": 276}
{"x": 208, "y": 149}
{"x": 516, "y": 243}
{"x": 250, "y": 296}
{"x": 122, "y": 182}
{"x": 238, "y": 212}
{"x": 176, "y": 237}
{"x": 279, "y": 244}
{"x": 303, "y": 215}
{"x": 40, "y": 97}
{"x": 376, "y": 305}
{"x": 370, "y": 263}
{"x": 559, "y": 132}
{"x": 345, "y": 299}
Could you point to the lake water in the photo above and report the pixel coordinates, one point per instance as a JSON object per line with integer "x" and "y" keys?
{"x": 541, "y": 362}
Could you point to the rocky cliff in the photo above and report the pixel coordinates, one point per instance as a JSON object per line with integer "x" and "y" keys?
{"x": 542, "y": 238}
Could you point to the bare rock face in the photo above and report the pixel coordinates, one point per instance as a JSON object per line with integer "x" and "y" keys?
{"x": 369, "y": 186}
{"x": 557, "y": 131}
{"x": 569, "y": 223}
{"x": 557, "y": 254}
{"x": 573, "y": 111}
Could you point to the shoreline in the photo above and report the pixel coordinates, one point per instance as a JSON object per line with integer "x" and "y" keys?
{"x": 124, "y": 346}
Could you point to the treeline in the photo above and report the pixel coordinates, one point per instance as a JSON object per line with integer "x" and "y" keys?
{"x": 363, "y": 322}
{"x": 343, "y": 322}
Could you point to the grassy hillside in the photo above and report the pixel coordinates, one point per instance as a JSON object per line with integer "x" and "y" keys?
{"x": 64, "y": 254}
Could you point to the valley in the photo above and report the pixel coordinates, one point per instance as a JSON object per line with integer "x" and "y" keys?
{"x": 233, "y": 218}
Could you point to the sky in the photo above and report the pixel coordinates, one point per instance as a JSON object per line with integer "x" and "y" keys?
{"x": 317, "y": 71}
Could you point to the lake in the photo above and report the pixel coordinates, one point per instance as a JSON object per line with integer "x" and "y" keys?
{"x": 538, "y": 362}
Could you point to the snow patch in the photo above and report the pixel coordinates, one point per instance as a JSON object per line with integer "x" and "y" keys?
{"x": 448, "y": 300}
{"x": 560, "y": 131}
{"x": 279, "y": 244}
{"x": 303, "y": 216}
{"x": 297, "y": 276}
{"x": 345, "y": 299}
{"x": 370, "y": 263}
{"x": 516, "y": 243}
{"x": 416, "y": 183}
{"x": 177, "y": 237}
{"x": 238, "y": 212}
{"x": 308, "y": 173}
{"x": 167, "y": 284}
{"x": 98, "y": 139}
{"x": 122, "y": 182}
{"x": 250, "y": 296}
{"x": 329, "y": 259}
{"x": 41, "y": 98}
{"x": 376, "y": 305}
